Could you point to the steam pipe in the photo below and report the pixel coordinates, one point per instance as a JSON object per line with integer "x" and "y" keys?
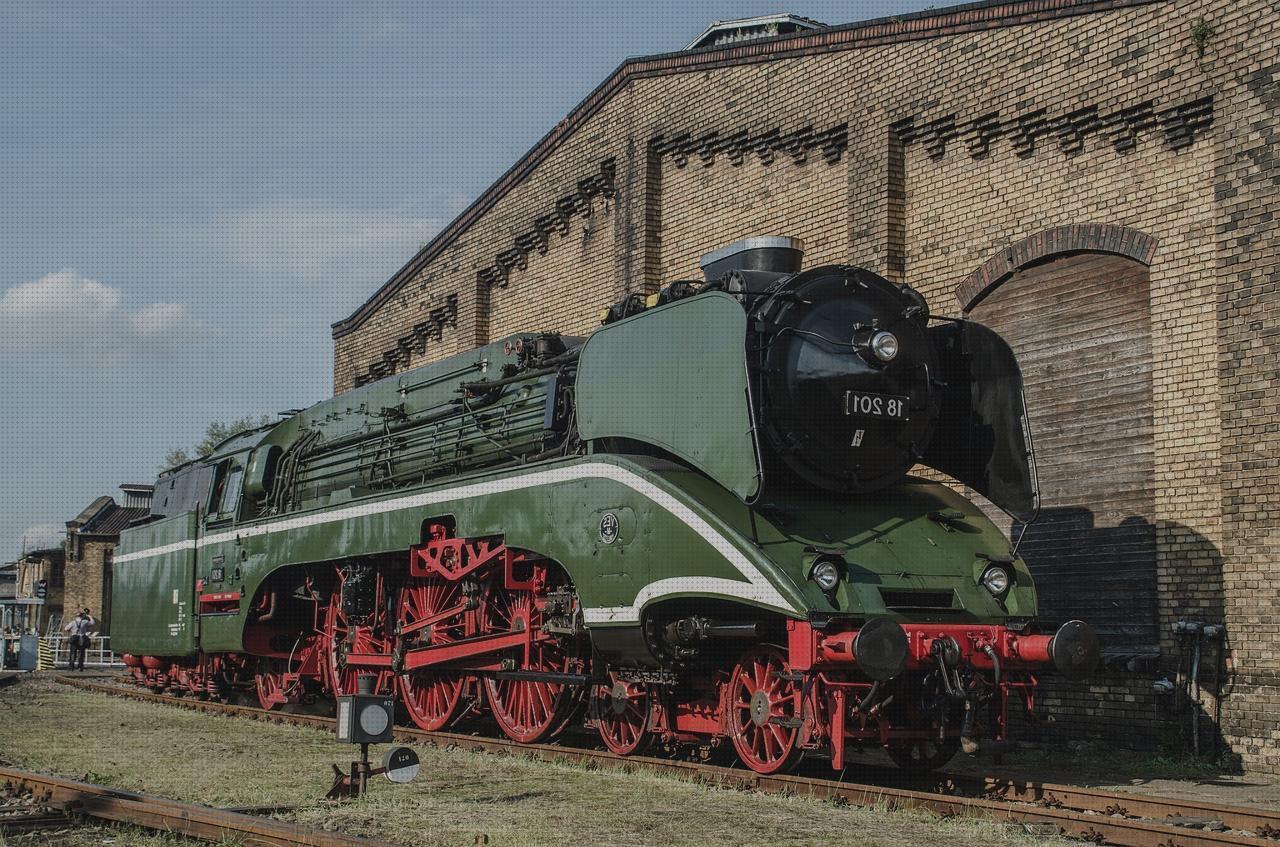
{"x": 734, "y": 630}
{"x": 271, "y": 610}
{"x": 871, "y": 695}
{"x": 995, "y": 664}
{"x": 524, "y": 376}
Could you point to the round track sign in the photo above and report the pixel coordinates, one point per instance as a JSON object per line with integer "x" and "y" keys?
{"x": 401, "y": 764}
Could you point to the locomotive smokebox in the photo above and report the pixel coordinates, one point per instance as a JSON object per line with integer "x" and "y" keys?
{"x": 777, "y": 254}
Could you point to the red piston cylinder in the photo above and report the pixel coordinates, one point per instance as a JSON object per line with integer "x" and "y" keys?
{"x": 131, "y": 660}
{"x": 155, "y": 663}
{"x": 837, "y": 647}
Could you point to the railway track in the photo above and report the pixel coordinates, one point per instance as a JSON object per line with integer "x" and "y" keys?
{"x": 55, "y": 799}
{"x": 1102, "y": 817}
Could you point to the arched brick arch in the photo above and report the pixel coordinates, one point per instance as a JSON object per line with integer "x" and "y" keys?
{"x": 1053, "y": 242}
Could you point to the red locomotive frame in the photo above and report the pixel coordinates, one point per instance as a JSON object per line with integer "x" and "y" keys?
{"x": 477, "y": 626}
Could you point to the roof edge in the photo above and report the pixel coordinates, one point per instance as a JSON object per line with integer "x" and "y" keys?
{"x": 757, "y": 20}
{"x": 916, "y": 26}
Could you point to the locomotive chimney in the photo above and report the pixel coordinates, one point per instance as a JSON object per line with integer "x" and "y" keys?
{"x": 780, "y": 254}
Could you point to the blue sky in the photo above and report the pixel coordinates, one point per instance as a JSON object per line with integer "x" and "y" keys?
{"x": 190, "y": 194}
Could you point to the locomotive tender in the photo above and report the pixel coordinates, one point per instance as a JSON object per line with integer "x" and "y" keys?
{"x": 697, "y": 525}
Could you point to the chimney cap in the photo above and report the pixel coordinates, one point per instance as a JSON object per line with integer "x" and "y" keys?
{"x": 755, "y": 242}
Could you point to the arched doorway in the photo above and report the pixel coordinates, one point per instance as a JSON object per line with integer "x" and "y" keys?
{"x": 1081, "y": 326}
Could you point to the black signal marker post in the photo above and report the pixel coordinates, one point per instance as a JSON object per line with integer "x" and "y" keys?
{"x": 366, "y": 718}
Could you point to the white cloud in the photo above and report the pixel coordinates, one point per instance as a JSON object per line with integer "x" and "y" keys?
{"x": 319, "y": 241}
{"x": 159, "y": 317}
{"x": 67, "y": 315}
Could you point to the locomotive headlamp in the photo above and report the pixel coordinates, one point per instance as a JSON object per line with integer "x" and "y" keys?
{"x": 884, "y": 345}
{"x": 996, "y": 580}
{"x": 826, "y": 574}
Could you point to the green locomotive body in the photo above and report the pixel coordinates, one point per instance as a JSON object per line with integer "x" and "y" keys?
{"x": 621, "y": 522}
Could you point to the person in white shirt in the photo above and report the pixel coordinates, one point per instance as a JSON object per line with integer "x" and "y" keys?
{"x": 80, "y": 628}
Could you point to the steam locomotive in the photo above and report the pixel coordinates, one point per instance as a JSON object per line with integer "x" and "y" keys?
{"x": 698, "y": 526}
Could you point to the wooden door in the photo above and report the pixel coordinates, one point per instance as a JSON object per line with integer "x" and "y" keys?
{"x": 1081, "y": 327}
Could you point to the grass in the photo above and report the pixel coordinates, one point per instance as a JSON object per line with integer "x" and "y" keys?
{"x": 459, "y": 797}
{"x": 100, "y": 836}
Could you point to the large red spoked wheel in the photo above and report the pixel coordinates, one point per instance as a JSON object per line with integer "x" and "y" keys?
{"x": 268, "y": 680}
{"x": 764, "y": 711}
{"x": 528, "y": 711}
{"x": 343, "y": 637}
{"x": 432, "y": 697}
{"x": 623, "y": 711}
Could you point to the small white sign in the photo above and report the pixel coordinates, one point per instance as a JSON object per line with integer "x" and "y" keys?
{"x": 401, "y": 764}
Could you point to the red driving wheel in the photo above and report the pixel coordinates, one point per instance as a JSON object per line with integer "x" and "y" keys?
{"x": 432, "y": 697}
{"x": 527, "y": 711}
{"x": 763, "y": 706}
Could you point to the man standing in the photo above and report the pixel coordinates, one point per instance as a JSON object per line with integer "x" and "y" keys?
{"x": 80, "y": 626}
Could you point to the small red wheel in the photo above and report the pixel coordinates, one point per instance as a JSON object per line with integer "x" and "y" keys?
{"x": 269, "y": 682}
{"x": 432, "y": 697}
{"x": 192, "y": 681}
{"x": 341, "y": 638}
{"x": 623, "y": 712}
{"x": 764, "y": 710}
{"x": 528, "y": 711}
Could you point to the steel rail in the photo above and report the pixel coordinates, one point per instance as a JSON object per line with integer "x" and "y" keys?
{"x": 161, "y": 813}
{"x": 15, "y": 824}
{"x": 1112, "y": 817}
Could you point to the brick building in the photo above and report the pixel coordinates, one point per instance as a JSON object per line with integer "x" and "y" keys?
{"x": 31, "y": 591}
{"x": 92, "y": 537}
{"x": 1096, "y": 180}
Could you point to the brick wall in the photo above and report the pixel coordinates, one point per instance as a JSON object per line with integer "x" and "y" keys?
{"x": 85, "y": 578}
{"x": 922, "y": 149}
{"x": 1246, "y": 177}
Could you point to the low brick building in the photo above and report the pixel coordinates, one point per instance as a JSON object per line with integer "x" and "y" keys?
{"x": 1096, "y": 179}
{"x": 92, "y": 537}
{"x": 31, "y": 591}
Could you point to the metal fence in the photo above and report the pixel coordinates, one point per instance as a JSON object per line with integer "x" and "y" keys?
{"x": 55, "y": 652}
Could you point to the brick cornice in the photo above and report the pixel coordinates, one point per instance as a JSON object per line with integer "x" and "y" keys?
{"x": 970, "y": 17}
{"x": 1056, "y": 241}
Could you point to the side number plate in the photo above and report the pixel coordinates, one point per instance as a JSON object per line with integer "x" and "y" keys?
{"x": 863, "y": 405}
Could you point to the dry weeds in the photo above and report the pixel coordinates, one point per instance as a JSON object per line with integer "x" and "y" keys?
{"x": 459, "y": 798}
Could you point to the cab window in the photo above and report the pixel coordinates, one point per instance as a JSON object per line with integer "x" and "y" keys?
{"x": 226, "y": 488}
{"x": 231, "y": 490}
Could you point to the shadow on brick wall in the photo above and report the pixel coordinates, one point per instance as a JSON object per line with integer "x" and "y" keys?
{"x": 1153, "y": 592}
